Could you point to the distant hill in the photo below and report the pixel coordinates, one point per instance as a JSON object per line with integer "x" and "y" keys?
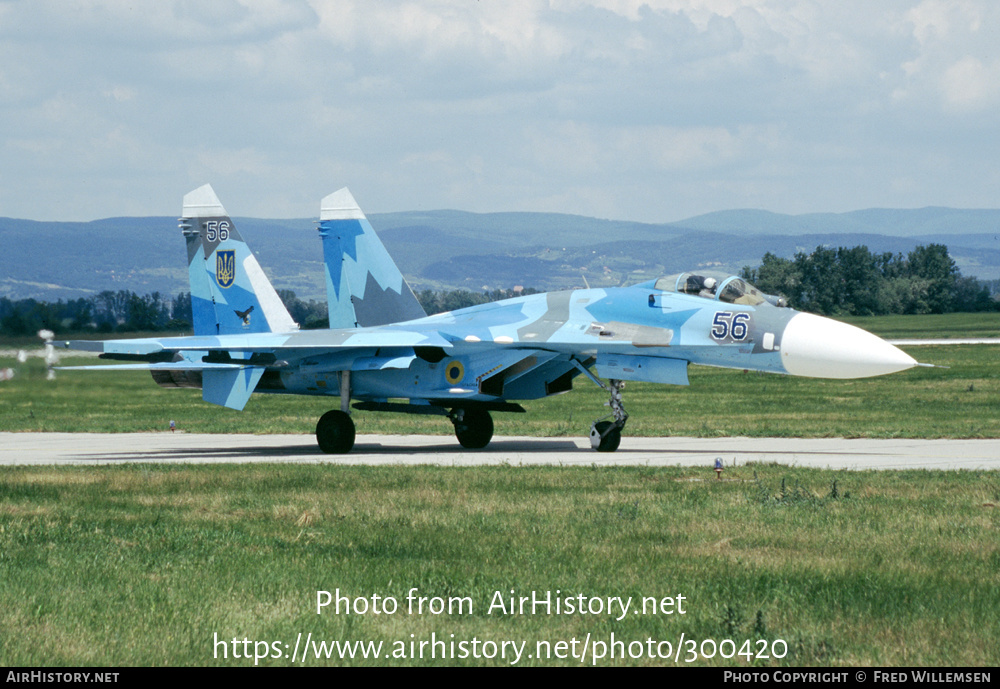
{"x": 886, "y": 221}
{"x": 454, "y": 249}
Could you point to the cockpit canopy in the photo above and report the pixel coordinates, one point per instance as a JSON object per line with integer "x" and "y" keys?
{"x": 712, "y": 284}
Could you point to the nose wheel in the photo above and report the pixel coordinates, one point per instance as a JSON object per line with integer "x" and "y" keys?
{"x": 605, "y": 435}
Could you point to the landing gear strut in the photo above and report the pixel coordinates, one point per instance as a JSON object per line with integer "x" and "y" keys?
{"x": 606, "y": 436}
{"x": 473, "y": 427}
{"x": 335, "y": 429}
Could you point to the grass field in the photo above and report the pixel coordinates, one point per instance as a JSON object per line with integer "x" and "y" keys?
{"x": 947, "y": 325}
{"x": 151, "y": 565}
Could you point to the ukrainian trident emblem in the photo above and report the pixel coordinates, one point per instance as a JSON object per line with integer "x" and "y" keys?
{"x": 225, "y": 268}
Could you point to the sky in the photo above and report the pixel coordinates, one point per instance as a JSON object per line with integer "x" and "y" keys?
{"x": 649, "y": 111}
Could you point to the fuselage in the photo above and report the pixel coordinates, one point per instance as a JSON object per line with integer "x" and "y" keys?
{"x": 533, "y": 346}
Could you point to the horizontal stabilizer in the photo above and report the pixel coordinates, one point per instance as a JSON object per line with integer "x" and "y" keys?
{"x": 228, "y": 385}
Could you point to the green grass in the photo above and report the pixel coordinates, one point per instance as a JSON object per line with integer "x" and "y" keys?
{"x": 144, "y": 565}
{"x": 948, "y": 325}
{"x": 960, "y": 402}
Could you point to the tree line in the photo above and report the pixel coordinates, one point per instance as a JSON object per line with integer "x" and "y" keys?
{"x": 439, "y": 302}
{"x": 106, "y": 312}
{"x": 124, "y": 311}
{"x": 855, "y": 281}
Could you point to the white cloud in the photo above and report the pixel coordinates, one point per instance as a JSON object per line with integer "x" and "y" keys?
{"x": 499, "y": 106}
{"x": 970, "y": 85}
{"x": 956, "y": 64}
{"x": 120, "y": 93}
{"x": 944, "y": 20}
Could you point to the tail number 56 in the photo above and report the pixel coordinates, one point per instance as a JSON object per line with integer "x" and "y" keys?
{"x": 217, "y": 230}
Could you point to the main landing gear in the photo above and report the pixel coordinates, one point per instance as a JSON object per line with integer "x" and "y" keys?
{"x": 335, "y": 432}
{"x": 606, "y": 436}
{"x": 473, "y": 427}
{"x": 335, "y": 429}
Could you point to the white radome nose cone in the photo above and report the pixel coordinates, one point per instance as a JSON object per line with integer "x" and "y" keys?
{"x": 819, "y": 347}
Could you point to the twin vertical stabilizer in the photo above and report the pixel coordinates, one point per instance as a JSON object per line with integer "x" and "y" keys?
{"x": 230, "y": 295}
{"x": 363, "y": 285}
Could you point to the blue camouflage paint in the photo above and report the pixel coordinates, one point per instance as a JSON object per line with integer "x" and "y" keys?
{"x": 339, "y": 239}
{"x": 382, "y": 347}
{"x": 363, "y": 285}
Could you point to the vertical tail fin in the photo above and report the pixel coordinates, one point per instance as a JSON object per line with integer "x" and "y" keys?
{"x": 363, "y": 285}
{"x": 229, "y": 292}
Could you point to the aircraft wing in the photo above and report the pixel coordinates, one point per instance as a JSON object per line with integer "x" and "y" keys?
{"x": 230, "y": 366}
{"x": 308, "y": 340}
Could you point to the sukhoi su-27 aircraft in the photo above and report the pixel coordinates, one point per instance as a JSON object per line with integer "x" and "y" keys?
{"x": 384, "y": 353}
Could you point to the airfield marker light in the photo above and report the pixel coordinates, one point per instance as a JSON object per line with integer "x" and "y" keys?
{"x": 51, "y": 358}
{"x": 718, "y": 468}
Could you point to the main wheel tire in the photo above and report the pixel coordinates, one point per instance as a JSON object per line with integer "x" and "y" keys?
{"x": 611, "y": 441}
{"x": 335, "y": 432}
{"x": 475, "y": 430}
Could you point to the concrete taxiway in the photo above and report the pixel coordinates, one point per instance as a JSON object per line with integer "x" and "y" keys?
{"x": 64, "y": 449}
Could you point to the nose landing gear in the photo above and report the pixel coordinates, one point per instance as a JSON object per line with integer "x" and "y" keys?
{"x": 606, "y": 436}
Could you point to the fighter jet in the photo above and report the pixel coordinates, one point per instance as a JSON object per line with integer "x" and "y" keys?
{"x": 383, "y": 353}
